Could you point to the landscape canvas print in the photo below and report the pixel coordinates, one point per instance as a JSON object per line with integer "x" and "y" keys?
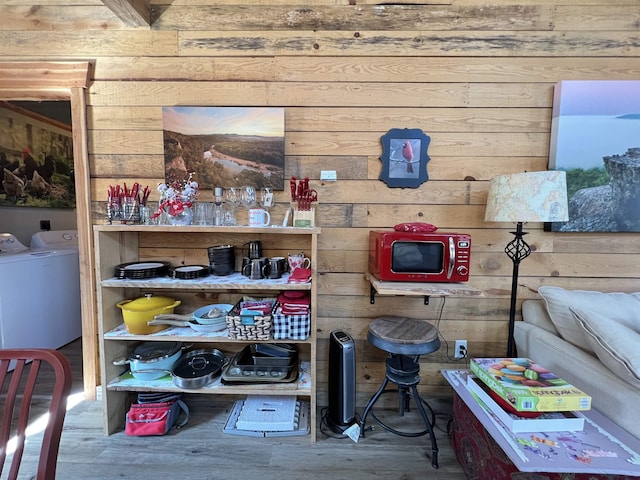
{"x": 595, "y": 138}
{"x": 225, "y": 146}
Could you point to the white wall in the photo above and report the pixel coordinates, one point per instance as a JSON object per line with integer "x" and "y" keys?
{"x": 25, "y": 221}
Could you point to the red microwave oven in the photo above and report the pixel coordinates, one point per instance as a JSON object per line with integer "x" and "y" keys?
{"x": 419, "y": 257}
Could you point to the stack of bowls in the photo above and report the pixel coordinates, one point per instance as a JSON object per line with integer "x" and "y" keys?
{"x": 222, "y": 259}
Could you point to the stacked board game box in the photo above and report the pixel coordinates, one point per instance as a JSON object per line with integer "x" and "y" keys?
{"x": 533, "y": 422}
{"x": 528, "y": 386}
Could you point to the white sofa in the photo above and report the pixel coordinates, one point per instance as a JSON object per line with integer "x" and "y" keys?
{"x": 592, "y": 340}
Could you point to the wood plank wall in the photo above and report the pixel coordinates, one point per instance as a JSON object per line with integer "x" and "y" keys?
{"x": 475, "y": 75}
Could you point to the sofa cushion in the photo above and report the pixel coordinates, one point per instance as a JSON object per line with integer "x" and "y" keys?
{"x": 619, "y": 307}
{"x": 615, "y": 344}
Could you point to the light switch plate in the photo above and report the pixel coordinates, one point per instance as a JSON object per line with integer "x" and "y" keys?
{"x": 328, "y": 175}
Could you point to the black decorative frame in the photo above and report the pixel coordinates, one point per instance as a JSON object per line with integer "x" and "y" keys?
{"x": 404, "y": 157}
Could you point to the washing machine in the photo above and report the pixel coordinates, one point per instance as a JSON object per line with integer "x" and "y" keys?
{"x": 63, "y": 244}
{"x": 39, "y": 295}
{"x": 55, "y": 239}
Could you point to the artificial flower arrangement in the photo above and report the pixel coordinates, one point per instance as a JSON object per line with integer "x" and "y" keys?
{"x": 176, "y": 195}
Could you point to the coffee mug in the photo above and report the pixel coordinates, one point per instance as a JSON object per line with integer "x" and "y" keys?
{"x": 298, "y": 260}
{"x": 254, "y": 249}
{"x": 246, "y": 262}
{"x": 254, "y": 269}
{"x": 259, "y": 217}
{"x": 276, "y": 267}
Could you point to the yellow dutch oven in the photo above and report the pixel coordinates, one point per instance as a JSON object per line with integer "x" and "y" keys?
{"x": 136, "y": 313}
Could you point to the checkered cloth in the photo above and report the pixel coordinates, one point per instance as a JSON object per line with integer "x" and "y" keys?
{"x": 291, "y": 327}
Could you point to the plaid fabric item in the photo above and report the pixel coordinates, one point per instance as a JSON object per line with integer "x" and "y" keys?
{"x": 291, "y": 327}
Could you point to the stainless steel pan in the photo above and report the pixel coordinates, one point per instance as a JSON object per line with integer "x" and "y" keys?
{"x": 198, "y": 368}
{"x": 195, "y": 369}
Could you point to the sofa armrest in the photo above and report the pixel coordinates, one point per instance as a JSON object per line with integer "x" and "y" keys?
{"x": 535, "y": 313}
{"x": 611, "y": 395}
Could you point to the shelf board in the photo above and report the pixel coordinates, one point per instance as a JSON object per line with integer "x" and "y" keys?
{"x": 302, "y": 386}
{"x": 186, "y": 334}
{"x": 278, "y": 230}
{"x": 423, "y": 289}
{"x": 235, "y": 281}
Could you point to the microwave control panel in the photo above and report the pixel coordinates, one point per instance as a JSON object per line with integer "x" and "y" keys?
{"x": 462, "y": 257}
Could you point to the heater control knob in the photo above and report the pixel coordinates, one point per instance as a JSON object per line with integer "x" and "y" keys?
{"x": 462, "y": 270}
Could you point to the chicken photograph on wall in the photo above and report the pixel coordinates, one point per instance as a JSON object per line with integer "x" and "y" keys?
{"x": 36, "y": 157}
{"x": 225, "y": 146}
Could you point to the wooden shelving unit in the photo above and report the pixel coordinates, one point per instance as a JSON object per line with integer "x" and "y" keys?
{"x": 117, "y": 244}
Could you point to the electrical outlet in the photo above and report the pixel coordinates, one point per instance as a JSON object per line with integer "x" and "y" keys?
{"x": 461, "y": 349}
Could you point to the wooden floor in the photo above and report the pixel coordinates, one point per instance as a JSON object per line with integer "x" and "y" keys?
{"x": 202, "y": 451}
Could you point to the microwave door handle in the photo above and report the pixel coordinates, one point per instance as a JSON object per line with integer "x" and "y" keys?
{"x": 452, "y": 257}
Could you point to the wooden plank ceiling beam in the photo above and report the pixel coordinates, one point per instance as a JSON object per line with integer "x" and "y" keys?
{"x": 134, "y": 13}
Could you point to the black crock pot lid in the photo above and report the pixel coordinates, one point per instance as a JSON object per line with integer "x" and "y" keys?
{"x": 152, "y": 351}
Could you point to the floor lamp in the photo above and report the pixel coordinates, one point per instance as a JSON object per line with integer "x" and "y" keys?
{"x": 521, "y": 198}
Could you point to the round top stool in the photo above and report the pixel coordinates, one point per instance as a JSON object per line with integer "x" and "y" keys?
{"x": 404, "y": 339}
{"x": 403, "y": 335}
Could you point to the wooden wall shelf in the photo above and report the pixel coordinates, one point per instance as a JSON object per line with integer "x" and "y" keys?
{"x": 420, "y": 289}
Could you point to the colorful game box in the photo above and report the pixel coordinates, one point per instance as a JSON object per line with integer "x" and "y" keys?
{"x": 539, "y": 422}
{"x": 528, "y": 386}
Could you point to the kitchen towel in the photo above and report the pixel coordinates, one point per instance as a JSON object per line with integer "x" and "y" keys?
{"x": 300, "y": 275}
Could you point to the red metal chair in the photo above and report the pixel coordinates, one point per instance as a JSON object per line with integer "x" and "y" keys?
{"x": 17, "y": 390}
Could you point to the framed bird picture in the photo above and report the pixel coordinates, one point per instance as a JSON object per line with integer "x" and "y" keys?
{"x": 404, "y": 157}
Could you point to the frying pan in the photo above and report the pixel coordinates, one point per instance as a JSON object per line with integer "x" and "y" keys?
{"x": 198, "y": 320}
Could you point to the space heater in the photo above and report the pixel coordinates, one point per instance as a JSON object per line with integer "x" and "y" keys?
{"x": 342, "y": 381}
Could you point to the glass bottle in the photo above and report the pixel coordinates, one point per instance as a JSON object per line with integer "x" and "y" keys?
{"x": 218, "y": 212}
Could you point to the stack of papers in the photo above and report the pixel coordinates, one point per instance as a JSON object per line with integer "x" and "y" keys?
{"x": 269, "y": 416}
{"x": 268, "y": 413}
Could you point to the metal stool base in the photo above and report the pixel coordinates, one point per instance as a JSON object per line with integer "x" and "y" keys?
{"x": 404, "y": 372}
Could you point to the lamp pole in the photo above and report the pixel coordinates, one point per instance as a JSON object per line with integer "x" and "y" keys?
{"x": 525, "y": 197}
{"x": 517, "y": 250}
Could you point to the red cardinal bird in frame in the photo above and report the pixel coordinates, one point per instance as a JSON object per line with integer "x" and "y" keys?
{"x": 407, "y": 153}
